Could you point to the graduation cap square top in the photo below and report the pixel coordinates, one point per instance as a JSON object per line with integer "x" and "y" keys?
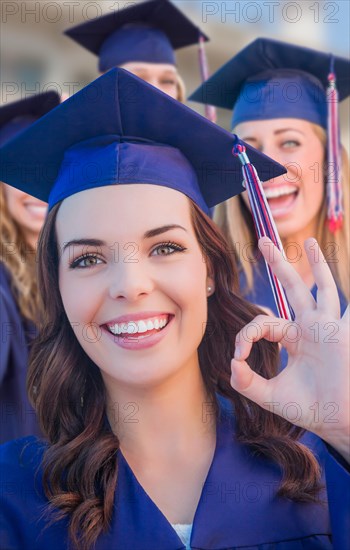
{"x": 121, "y": 130}
{"x": 148, "y": 32}
{"x": 18, "y": 115}
{"x": 272, "y": 79}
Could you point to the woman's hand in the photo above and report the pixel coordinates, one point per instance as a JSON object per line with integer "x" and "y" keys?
{"x": 313, "y": 391}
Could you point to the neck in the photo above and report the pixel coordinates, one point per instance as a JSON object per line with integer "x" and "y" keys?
{"x": 161, "y": 420}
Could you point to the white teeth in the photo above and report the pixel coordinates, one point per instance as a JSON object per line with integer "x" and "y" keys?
{"x": 138, "y": 327}
{"x": 132, "y": 328}
{"x": 37, "y": 207}
{"x": 274, "y": 193}
{"x": 36, "y": 210}
{"x": 142, "y": 327}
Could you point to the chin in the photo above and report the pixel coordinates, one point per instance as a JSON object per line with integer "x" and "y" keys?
{"x": 137, "y": 376}
{"x": 32, "y": 226}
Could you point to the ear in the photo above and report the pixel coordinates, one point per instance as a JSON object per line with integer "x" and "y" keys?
{"x": 210, "y": 286}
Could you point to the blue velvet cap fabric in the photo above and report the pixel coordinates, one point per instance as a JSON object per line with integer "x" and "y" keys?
{"x": 148, "y": 31}
{"x": 135, "y": 43}
{"x": 272, "y": 79}
{"x": 121, "y": 130}
{"x": 18, "y": 115}
{"x": 285, "y": 93}
{"x": 108, "y": 159}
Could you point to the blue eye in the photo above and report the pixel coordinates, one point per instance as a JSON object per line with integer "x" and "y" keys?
{"x": 166, "y": 249}
{"x": 290, "y": 143}
{"x": 85, "y": 261}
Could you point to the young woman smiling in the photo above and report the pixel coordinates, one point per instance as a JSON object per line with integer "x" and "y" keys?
{"x": 22, "y": 217}
{"x": 160, "y": 435}
{"x": 277, "y": 92}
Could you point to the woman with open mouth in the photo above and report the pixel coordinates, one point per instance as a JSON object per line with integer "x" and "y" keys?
{"x": 22, "y": 217}
{"x": 159, "y": 434}
{"x": 278, "y": 95}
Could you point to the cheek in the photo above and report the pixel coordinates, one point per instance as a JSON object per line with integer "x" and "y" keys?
{"x": 79, "y": 298}
{"x": 308, "y": 163}
{"x": 313, "y": 177}
{"x": 169, "y": 90}
{"x": 187, "y": 289}
{"x": 174, "y": 93}
{"x": 14, "y": 207}
{"x": 81, "y": 303}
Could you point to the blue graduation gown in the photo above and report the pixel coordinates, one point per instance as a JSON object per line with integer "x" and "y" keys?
{"x": 17, "y": 415}
{"x": 238, "y": 507}
{"x": 262, "y": 295}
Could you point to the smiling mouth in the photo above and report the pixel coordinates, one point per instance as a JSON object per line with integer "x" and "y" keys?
{"x": 281, "y": 197}
{"x": 140, "y": 329}
{"x": 40, "y": 209}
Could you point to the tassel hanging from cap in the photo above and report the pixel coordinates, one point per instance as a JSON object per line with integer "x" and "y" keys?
{"x": 334, "y": 185}
{"x": 210, "y": 111}
{"x": 264, "y": 226}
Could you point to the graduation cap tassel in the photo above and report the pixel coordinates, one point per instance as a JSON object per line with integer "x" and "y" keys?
{"x": 264, "y": 225}
{"x": 334, "y": 186}
{"x": 210, "y": 111}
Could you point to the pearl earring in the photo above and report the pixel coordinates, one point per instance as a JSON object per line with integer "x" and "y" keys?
{"x": 209, "y": 289}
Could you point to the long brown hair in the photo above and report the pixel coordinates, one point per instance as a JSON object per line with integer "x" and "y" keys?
{"x": 80, "y": 466}
{"x": 20, "y": 262}
{"x": 236, "y": 222}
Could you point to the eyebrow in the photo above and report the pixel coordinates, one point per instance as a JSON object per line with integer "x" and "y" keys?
{"x": 84, "y": 242}
{"x": 276, "y": 133}
{"x": 162, "y": 229}
{"x": 142, "y": 71}
{"x": 288, "y": 130}
{"x": 98, "y": 243}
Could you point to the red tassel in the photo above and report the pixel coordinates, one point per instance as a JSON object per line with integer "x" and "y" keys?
{"x": 335, "y": 224}
{"x": 264, "y": 225}
{"x": 334, "y": 186}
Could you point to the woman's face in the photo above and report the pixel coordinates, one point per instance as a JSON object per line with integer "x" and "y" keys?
{"x": 133, "y": 281}
{"x": 29, "y": 213}
{"x": 161, "y": 75}
{"x": 295, "y": 198}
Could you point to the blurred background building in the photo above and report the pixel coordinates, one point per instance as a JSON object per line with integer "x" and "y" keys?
{"x": 36, "y": 56}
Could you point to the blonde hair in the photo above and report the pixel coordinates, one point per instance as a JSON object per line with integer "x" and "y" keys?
{"x": 236, "y": 221}
{"x": 20, "y": 262}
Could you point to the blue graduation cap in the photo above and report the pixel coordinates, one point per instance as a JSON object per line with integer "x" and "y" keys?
{"x": 18, "y": 115}
{"x": 147, "y": 32}
{"x": 121, "y": 130}
{"x": 271, "y": 79}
